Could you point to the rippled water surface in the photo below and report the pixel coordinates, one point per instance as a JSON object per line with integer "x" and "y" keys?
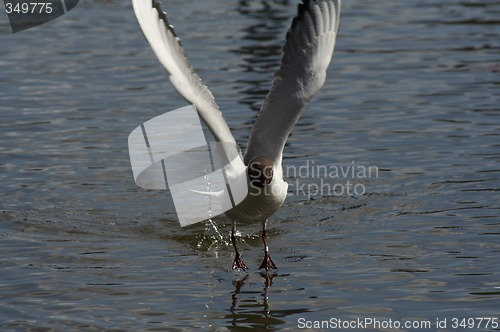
{"x": 414, "y": 90}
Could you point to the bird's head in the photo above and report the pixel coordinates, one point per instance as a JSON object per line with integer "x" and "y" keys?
{"x": 260, "y": 171}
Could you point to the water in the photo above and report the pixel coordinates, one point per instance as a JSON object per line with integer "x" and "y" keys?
{"x": 413, "y": 90}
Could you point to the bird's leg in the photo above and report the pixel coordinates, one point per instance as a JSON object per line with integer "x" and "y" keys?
{"x": 267, "y": 263}
{"x": 237, "y": 263}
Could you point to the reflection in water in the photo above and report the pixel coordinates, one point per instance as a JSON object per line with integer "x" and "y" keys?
{"x": 263, "y": 44}
{"x": 254, "y": 312}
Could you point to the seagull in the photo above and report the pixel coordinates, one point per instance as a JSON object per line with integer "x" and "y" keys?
{"x": 307, "y": 53}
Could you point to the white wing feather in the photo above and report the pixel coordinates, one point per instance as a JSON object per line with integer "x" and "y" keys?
{"x": 167, "y": 47}
{"x": 306, "y": 56}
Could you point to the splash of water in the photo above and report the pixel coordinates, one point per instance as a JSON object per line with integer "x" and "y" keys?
{"x": 210, "y": 226}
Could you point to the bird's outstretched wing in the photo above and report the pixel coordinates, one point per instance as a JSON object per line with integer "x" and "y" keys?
{"x": 167, "y": 47}
{"x": 306, "y": 56}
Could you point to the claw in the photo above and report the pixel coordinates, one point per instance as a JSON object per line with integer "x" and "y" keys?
{"x": 268, "y": 263}
{"x": 238, "y": 263}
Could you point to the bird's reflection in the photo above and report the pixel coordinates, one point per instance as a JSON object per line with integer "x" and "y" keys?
{"x": 254, "y": 311}
{"x": 268, "y": 282}
{"x": 238, "y": 284}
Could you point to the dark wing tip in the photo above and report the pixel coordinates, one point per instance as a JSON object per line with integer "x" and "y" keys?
{"x": 163, "y": 16}
{"x": 305, "y": 7}
{"x": 302, "y": 8}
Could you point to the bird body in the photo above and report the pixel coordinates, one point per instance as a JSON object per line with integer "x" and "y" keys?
{"x": 261, "y": 202}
